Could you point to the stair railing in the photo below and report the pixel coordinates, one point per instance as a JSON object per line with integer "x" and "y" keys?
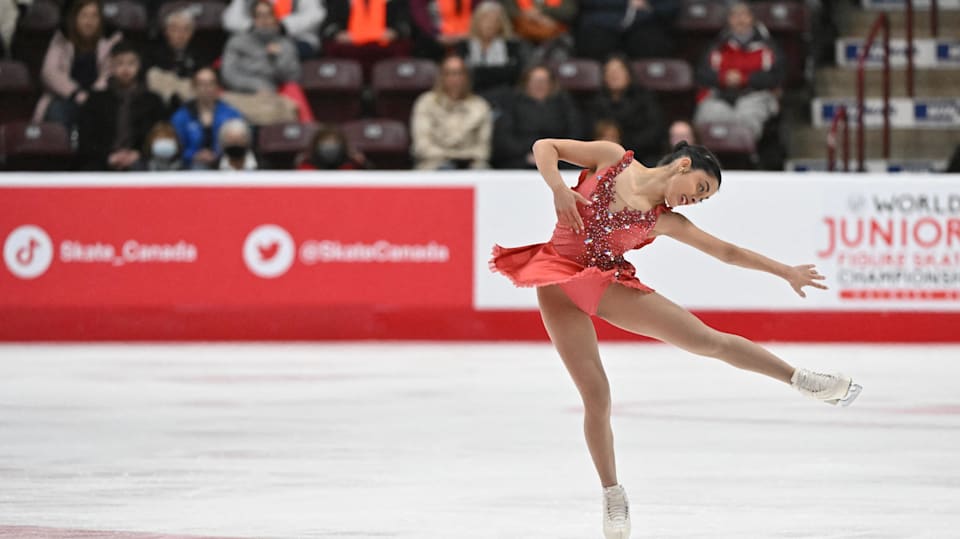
{"x": 839, "y": 120}
{"x": 882, "y": 22}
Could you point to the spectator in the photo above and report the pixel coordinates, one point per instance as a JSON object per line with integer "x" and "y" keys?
{"x": 367, "y": 31}
{"x": 330, "y": 150}
{"x": 10, "y": 13}
{"x": 265, "y": 62}
{"x": 538, "y": 109}
{"x": 634, "y": 109}
{"x": 77, "y": 63}
{"x": 545, "y": 23}
{"x": 740, "y": 75}
{"x": 161, "y": 151}
{"x": 235, "y": 138}
{"x": 299, "y": 19}
{"x": 451, "y": 126}
{"x": 492, "y": 54}
{"x": 639, "y": 28}
{"x": 113, "y": 123}
{"x": 680, "y": 131}
{"x": 198, "y": 122}
{"x": 607, "y": 130}
{"x": 172, "y": 63}
{"x": 440, "y": 25}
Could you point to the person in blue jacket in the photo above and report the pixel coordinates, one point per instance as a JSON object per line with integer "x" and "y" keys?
{"x": 198, "y": 122}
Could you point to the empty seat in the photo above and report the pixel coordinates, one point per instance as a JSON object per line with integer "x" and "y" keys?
{"x": 384, "y": 142}
{"x": 789, "y": 24}
{"x": 672, "y": 80}
{"x": 17, "y": 92}
{"x": 699, "y": 23}
{"x": 279, "y": 144}
{"x": 334, "y": 88}
{"x": 209, "y": 36}
{"x": 34, "y": 31}
{"x": 29, "y": 146}
{"x": 733, "y": 143}
{"x": 582, "y": 77}
{"x": 398, "y": 82}
{"x": 126, "y": 16}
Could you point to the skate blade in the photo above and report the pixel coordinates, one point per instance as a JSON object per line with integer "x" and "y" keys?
{"x": 852, "y": 395}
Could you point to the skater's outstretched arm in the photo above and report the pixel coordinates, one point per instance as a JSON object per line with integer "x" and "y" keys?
{"x": 681, "y": 229}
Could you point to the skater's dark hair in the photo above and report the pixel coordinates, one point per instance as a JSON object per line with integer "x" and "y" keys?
{"x": 700, "y": 158}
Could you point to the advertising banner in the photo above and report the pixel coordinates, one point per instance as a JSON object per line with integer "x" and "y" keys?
{"x": 122, "y": 246}
{"x": 898, "y": 5}
{"x": 884, "y": 242}
{"x": 940, "y": 53}
{"x": 935, "y": 113}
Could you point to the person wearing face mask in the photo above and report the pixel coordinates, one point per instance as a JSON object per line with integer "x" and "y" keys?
{"x": 329, "y": 150}
{"x": 161, "y": 150}
{"x": 740, "y": 75}
{"x": 263, "y": 61}
{"x": 235, "y": 138}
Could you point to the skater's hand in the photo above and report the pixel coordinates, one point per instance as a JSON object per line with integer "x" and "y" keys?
{"x": 805, "y": 275}
{"x": 566, "y": 201}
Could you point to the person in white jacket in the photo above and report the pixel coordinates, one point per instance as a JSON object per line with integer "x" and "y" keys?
{"x": 299, "y": 19}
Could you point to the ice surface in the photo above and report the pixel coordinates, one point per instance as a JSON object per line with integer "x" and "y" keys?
{"x": 469, "y": 441}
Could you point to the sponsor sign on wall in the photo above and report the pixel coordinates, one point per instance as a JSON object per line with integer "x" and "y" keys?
{"x": 927, "y": 53}
{"x": 884, "y": 242}
{"x": 936, "y": 113}
{"x": 898, "y": 5}
{"x": 403, "y": 246}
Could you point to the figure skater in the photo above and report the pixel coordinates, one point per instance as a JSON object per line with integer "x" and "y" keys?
{"x": 618, "y": 205}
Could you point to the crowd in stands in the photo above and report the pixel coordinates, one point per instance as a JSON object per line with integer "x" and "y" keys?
{"x": 172, "y": 96}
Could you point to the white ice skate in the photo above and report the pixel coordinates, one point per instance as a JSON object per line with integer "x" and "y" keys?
{"x": 830, "y": 388}
{"x": 616, "y": 513}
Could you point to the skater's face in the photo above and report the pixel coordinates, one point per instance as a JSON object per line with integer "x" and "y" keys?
{"x": 689, "y": 186}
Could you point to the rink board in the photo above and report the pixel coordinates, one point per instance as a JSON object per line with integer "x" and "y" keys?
{"x": 401, "y": 255}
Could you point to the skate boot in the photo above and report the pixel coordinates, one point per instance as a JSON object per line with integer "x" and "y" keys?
{"x": 830, "y": 388}
{"x": 616, "y": 513}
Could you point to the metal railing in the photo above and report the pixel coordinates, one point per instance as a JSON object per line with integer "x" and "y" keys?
{"x": 934, "y": 30}
{"x": 882, "y": 22}
{"x": 839, "y": 119}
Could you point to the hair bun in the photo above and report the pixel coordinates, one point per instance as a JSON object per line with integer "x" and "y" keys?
{"x": 680, "y": 145}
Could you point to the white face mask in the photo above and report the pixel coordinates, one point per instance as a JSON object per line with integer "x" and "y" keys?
{"x": 164, "y": 148}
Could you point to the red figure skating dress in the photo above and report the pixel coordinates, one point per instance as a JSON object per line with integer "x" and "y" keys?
{"x": 585, "y": 264}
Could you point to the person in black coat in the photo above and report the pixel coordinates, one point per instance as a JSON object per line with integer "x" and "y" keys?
{"x": 538, "y": 109}
{"x": 639, "y": 28}
{"x": 113, "y": 123}
{"x": 634, "y": 109}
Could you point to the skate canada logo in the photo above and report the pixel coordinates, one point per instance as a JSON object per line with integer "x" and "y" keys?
{"x": 268, "y": 251}
{"x": 28, "y": 252}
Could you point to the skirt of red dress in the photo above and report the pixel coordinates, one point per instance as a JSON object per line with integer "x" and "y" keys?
{"x": 540, "y": 265}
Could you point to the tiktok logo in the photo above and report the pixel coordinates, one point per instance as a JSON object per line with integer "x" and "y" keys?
{"x": 28, "y": 252}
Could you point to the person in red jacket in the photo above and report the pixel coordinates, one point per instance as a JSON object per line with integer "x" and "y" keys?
{"x": 741, "y": 74}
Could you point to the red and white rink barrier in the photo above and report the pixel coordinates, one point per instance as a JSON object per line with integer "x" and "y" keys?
{"x": 403, "y": 255}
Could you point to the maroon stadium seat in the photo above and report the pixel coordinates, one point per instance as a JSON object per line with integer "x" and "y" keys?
{"x": 33, "y": 34}
{"x": 699, "y": 23}
{"x": 398, "y": 82}
{"x": 582, "y": 77}
{"x": 789, "y": 24}
{"x": 209, "y": 37}
{"x": 334, "y": 87}
{"x": 29, "y": 146}
{"x": 385, "y": 142}
{"x": 733, "y": 143}
{"x": 128, "y": 17}
{"x": 672, "y": 80}
{"x": 17, "y": 92}
{"x": 279, "y": 144}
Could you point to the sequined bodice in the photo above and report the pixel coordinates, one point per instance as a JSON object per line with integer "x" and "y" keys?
{"x": 609, "y": 234}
